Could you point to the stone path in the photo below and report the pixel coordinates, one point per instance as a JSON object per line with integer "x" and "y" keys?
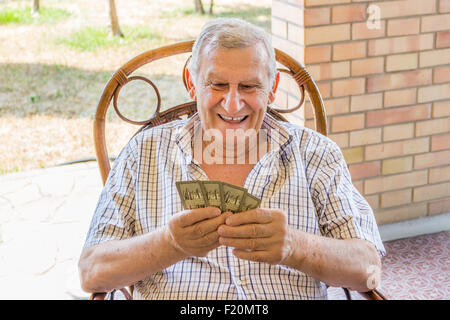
{"x": 44, "y": 218}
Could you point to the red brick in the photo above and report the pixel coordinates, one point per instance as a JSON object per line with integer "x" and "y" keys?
{"x": 359, "y": 186}
{"x": 431, "y": 192}
{"x": 396, "y": 214}
{"x": 340, "y": 138}
{"x": 432, "y": 159}
{"x": 397, "y": 148}
{"x": 317, "y": 54}
{"x": 441, "y": 74}
{"x": 317, "y": 16}
{"x": 441, "y": 142}
{"x": 394, "y": 182}
{"x": 435, "y": 57}
{"x": 396, "y": 165}
{"x": 364, "y": 170}
{"x": 397, "y": 115}
{"x": 401, "y": 97}
{"x": 324, "y": 89}
{"x": 398, "y": 132}
{"x": 326, "y": 71}
{"x": 365, "y": 137}
{"x": 337, "y": 106}
{"x": 347, "y": 123}
{"x": 403, "y": 8}
{"x": 367, "y": 66}
{"x": 347, "y": 87}
{"x": 434, "y": 126}
{"x": 373, "y": 201}
{"x": 350, "y": 13}
{"x": 435, "y": 23}
{"x": 361, "y": 31}
{"x": 399, "y": 80}
{"x": 396, "y": 198}
{"x": 441, "y": 109}
{"x": 438, "y": 207}
{"x": 351, "y": 50}
{"x": 398, "y": 62}
{"x": 353, "y": 155}
{"x": 327, "y": 34}
{"x": 366, "y": 102}
{"x": 440, "y": 174}
{"x": 433, "y": 93}
{"x": 401, "y": 27}
{"x": 443, "y": 39}
{"x": 444, "y": 6}
{"x": 311, "y": 3}
{"x": 400, "y": 44}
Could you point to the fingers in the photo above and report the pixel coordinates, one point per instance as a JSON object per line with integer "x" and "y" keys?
{"x": 189, "y": 217}
{"x": 248, "y": 243}
{"x": 257, "y": 256}
{"x": 204, "y": 227}
{"x": 246, "y": 231}
{"x": 252, "y": 216}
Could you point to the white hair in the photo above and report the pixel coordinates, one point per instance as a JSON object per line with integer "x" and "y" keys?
{"x": 231, "y": 33}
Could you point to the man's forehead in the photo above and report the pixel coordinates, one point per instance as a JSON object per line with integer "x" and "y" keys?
{"x": 213, "y": 62}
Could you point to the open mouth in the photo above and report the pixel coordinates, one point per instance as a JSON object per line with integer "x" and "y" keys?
{"x": 233, "y": 119}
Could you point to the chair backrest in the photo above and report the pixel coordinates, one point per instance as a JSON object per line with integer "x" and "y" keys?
{"x": 122, "y": 77}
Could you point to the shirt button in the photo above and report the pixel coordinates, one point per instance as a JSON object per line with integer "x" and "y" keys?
{"x": 240, "y": 282}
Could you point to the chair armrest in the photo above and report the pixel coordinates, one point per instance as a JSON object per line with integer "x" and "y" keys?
{"x": 373, "y": 295}
{"x": 102, "y": 295}
{"x": 98, "y": 296}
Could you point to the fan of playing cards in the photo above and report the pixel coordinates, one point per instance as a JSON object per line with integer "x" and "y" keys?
{"x": 227, "y": 197}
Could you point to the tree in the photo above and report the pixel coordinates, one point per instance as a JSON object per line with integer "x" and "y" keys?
{"x": 115, "y": 29}
{"x": 199, "y": 6}
{"x": 35, "y": 9}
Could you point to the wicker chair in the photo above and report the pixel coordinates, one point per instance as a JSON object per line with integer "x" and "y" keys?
{"x": 122, "y": 77}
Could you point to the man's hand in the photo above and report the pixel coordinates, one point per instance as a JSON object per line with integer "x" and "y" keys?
{"x": 261, "y": 235}
{"x": 194, "y": 232}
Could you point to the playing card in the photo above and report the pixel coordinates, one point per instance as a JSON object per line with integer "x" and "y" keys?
{"x": 249, "y": 202}
{"x": 232, "y": 197}
{"x": 191, "y": 194}
{"x": 213, "y": 193}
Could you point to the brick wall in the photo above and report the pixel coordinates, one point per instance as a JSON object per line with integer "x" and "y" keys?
{"x": 386, "y": 91}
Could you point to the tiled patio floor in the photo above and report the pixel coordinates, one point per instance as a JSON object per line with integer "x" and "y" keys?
{"x": 416, "y": 268}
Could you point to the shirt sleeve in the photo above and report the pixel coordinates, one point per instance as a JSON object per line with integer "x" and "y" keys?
{"x": 114, "y": 216}
{"x": 342, "y": 211}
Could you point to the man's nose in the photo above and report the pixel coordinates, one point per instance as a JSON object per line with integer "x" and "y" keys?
{"x": 232, "y": 102}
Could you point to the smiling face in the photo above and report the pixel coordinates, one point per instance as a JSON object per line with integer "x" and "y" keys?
{"x": 232, "y": 88}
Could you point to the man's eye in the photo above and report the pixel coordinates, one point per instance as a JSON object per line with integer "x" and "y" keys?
{"x": 247, "y": 87}
{"x": 218, "y": 86}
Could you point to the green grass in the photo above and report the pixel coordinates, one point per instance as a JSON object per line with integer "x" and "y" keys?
{"x": 24, "y": 16}
{"x": 257, "y": 15}
{"x": 92, "y": 38}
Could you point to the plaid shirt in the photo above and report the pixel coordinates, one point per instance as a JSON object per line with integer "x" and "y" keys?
{"x": 304, "y": 174}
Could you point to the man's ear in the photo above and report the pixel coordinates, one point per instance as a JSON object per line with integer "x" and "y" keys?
{"x": 190, "y": 84}
{"x": 273, "y": 91}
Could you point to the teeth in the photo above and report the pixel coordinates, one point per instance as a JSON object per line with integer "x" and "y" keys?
{"x": 233, "y": 119}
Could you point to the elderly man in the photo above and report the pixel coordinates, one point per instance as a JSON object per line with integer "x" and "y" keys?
{"x": 312, "y": 229}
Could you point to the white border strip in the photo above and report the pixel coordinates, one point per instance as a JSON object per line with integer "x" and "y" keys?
{"x": 416, "y": 227}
